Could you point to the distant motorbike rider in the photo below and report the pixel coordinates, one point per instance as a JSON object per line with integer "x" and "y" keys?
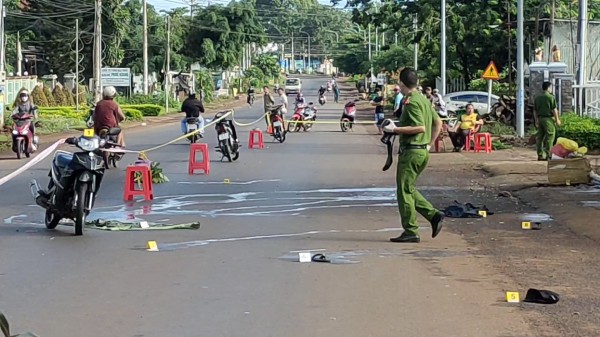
{"x": 192, "y": 107}
{"x": 250, "y": 94}
{"x": 108, "y": 114}
{"x": 322, "y": 91}
{"x": 300, "y": 99}
{"x": 25, "y": 106}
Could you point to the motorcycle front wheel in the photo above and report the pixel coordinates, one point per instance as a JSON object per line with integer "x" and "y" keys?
{"x": 51, "y": 220}
{"x": 345, "y": 124}
{"x": 19, "y": 148}
{"x": 80, "y": 213}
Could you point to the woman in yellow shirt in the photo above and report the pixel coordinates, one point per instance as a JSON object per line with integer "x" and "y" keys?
{"x": 468, "y": 122}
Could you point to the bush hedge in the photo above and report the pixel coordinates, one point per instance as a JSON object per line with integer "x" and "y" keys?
{"x": 583, "y": 130}
{"x": 132, "y": 112}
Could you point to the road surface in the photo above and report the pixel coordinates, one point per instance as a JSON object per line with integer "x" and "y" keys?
{"x": 237, "y": 275}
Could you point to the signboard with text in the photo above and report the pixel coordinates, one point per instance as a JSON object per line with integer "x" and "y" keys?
{"x": 116, "y": 77}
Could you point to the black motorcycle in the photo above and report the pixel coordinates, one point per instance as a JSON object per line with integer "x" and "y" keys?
{"x": 251, "y": 98}
{"x": 229, "y": 145}
{"x": 74, "y": 183}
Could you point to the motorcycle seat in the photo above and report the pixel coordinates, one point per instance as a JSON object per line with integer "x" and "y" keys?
{"x": 62, "y": 159}
{"x": 109, "y": 132}
{"x": 191, "y": 120}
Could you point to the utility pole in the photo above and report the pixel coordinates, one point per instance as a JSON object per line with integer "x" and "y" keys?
{"x": 2, "y": 69}
{"x": 192, "y": 3}
{"x": 581, "y": 78}
{"x": 508, "y": 10}
{"x": 19, "y": 53}
{"x": 2, "y": 37}
{"x": 443, "y": 47}
{"x": 396, "y": 39}
{"x": 145, "y": 46}
{"x": 98, "y": 52}
{"x": 293, "y": 60}
{"x": 415, "y": 42}
{"x": 552, "y": 15}
{"x": 77, "y": 64}
{"x": 520, "y": 71}
{"x": 168, "y": 65}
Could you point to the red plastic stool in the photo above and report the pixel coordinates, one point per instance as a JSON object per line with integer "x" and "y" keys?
{"x": 146, "y": 191}
{"x": 487, "y": 140}
{"x": 253, "y": 141}
{"x": 195, "y": 165}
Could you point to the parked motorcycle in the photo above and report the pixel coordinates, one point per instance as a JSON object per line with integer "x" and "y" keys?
{"x": 303, "y": 114}
{"x": 348, "y": 116}
{"x": 229, "y": 145}
{"x": 74, "y": 183}
{"x": 191, "y": 125}
{"x": 23, "y": 142}
{"x": 505, "y": 109}
{"x": 277, "y": 123}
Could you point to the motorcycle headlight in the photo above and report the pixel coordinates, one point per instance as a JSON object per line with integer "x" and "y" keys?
{"x": 15, "y": 132}
{"x": 24, "y": 132}
{"x": 88, "y": 144}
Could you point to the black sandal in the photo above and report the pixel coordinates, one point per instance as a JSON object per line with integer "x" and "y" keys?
{"x": 320, "y": 258}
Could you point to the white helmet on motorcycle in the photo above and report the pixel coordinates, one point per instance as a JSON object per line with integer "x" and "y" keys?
{"x": 109, "y": 92}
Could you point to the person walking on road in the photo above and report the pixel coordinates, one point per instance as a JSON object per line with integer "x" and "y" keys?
{"x": 397, "y": 102}
{"x": 546, "y": 120}
{"x": 418, "y": 128}
{"x": 378, "y": 102}
{"x": 336, "y": 93}
{"x": 268, "y": 102}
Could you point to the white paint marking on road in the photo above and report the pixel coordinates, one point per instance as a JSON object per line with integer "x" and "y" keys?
{"x": 189, "y": 244}
{"x": 230, "y": 183}
{"x": 9, "y": 220}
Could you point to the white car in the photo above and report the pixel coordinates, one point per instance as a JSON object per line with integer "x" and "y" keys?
{"x": 293, "y": 86}
{"x": 458, "y": 100}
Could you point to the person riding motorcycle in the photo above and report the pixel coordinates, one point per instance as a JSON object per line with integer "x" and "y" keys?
{"x": 300, "y": 99}
{"x": 108, "y": 114}
{"x": 322, "y": 91}
{"x": 250, "y": 94}
{"x": 25, "y": 106}
{"x": 192, "y": 107}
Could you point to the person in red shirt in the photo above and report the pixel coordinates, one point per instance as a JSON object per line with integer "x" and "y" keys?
{"x": 108, "y": 114}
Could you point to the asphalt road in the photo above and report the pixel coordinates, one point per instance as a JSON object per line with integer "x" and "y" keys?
{"x": 236, "y": 275}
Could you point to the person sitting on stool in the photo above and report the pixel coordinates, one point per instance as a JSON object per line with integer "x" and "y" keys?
{"x": 468, "y": 122}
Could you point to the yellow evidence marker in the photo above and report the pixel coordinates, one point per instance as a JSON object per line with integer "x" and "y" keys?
{"x": 226, "y": 181}
{"x": 525, "y": 225}
{"x": 88, "y": 133}
{"x": 512, "y": 296}
{"x": 152, "y": 246}
{"x": 483, "y": 214}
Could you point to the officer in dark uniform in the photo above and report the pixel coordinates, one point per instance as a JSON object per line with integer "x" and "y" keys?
{"x": 418, "y": 128}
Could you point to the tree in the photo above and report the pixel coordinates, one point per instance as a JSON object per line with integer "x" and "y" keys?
{"x": 268, "y": 64}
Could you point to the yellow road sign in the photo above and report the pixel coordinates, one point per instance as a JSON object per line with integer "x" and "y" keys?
{"x": 491, "y": 72}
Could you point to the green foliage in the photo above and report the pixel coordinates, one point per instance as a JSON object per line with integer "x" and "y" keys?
{"x": 583, "y": 130}
{"x": 133, "y": 114}
{"x": 59, "y": 96}
{"x": 158, "y": 100}
{"x": 498, "y": 129}
{"x": 146, "y": 109}
{"x": 205, "y": 82}
{"x": 38, "y": 97}
{"x": 68, "y": 97}
{"x": 49, "y": 96}
{"x": 158, "y": 177}
{"x": 498, "y": 145}
{"x": 268, "y": 64}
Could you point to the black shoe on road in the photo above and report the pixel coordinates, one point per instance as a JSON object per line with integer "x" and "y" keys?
{"x": 436, "y": 224}
{"x": 407, "y": 238}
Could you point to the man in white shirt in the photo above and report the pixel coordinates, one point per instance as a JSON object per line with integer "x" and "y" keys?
{"x": 439, "y": 104}
{"x": 283, "y": 100}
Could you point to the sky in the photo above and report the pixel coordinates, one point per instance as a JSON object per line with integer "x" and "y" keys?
{"x": 168, "y": 4}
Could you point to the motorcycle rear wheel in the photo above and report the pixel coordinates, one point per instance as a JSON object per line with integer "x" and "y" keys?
{"x": 225, "y": 149}
{"x": 345, "y": 125}
{"x": 80, "y": 213}
{"x": 51, "y": 219}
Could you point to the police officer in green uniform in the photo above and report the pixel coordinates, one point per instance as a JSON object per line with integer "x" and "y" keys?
{"x": 546, "y": 119}
{"x": 418, "y": 129}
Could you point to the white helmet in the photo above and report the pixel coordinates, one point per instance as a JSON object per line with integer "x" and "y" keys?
{"x": 110, "y": 92}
